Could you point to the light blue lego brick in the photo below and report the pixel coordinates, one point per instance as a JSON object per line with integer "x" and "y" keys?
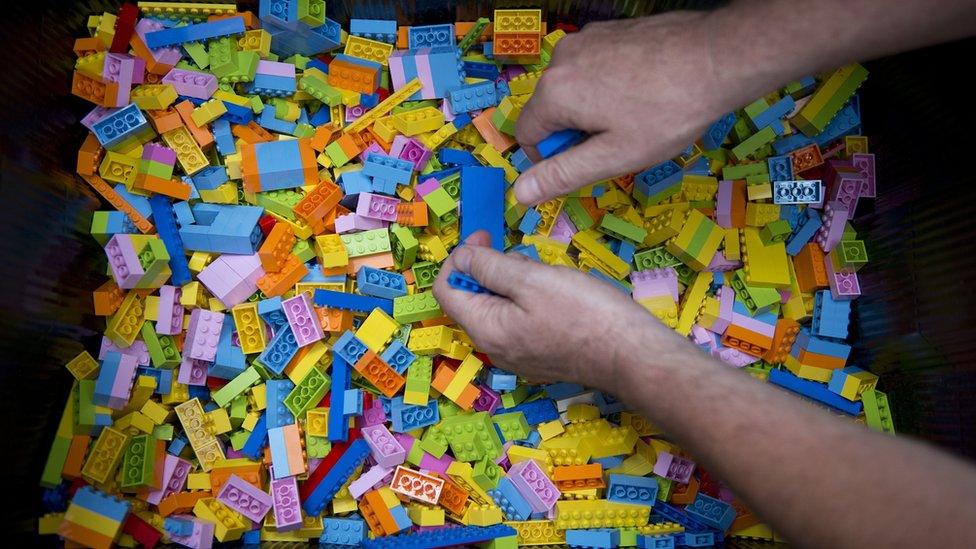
{"x": 184, "y": 215}
{"x": 210, "y": 178}
{"x": 659, "y": 179}
{"x": 528, "y": 251}
{"x": 383, "y": 166}
{"x": 380, "y": 283}
{"x": 430, "y": 36}
{"x": 101, "y": 503}
{"x": 595, "y": 273}
{"x": 808, "y": 224}
{"x": 349, "y": 347}
{"x": 176, "y": 446}
{"x": 530, "y": 221}
{"x": 610, "y": 462}
{"x": 351, "y": 302}
{"x": 223, "y": 228}
{"x": 407, "y": 417}
{"x": 773, "y": 113}
{"x": 472, "y": 97}
{"x": 632, "y": 489}
{"x": 712, "y": 512}
{"x": 502, "y": 90}
{"x": 790, "y": 143}
{"x": 140, "y": 203}
{"x": 625, "y": 250}
{"x": 352, "y": 402}
{"x": 780, "y": 168}
{"x": 830, "y": 318}
{"x": 500, "y": 380}
{"x": 272, "y": 85}
{"x": 839, "y": 378}
{"x": 400, "y": 517}
{"x": 598, "y": 538}
{"x": 282, "y": 13}
{"x": 513, "y": 505}
{"x": 355, "y": 183}
{"x": 520, "y": 160}
{"x": 270, "y": 311}
{"x": 398, "y": 356}
{"x": 343, "y": 531}
{"x": 381, "y": 30}
{"x": 126, "y": 122}
{"x": 277, "y": 413}
{"x": 229, "y": 360}
{"x": 666, "y": 541}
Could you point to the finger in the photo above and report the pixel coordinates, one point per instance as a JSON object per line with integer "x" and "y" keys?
{"x": 502, "y": 274}
{"x": 471, "y": 311}
{"x": 589, "y": 161}
{"x": 545, "y": 111}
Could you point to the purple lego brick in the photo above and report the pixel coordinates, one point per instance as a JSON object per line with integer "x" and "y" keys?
{"x": 350, "y": 223}
{"x": 247, "y": 267}
{"x": 114, "y": 392}
{"x": 170, "y": 313}
{"x": 726, "y": 298}
{"x": 202, "y": 335}
{"x": 202, "y": 536}
{"x": 563, "y": 228}
{"x": 655, "y": 282}
{"x": 199, "y": 85}
{"x": 374, "y": 206}
{"x": 487, "y": 401}
{"x": 374, "y": 415}
{"x": 243, "y": 497}
{"x": 368, "y": 480}
{"x": 232, "y": 278}
{"x": 734, "y": 357}
{"x": 440, "y": 465}
{"x": 409, "y": 149}
{"x": 673, "y": 467}
{"x": 193, "y": 372}
{"x": 427, "y": 186}
{"x": 723, "y": 205}
{"x": 175, "y": 473}
{"x": 864, "y": 163}
{"x": 276, "y": 68}
{"x": 834, "y": 217}
{"x": 159, "y": 153}
{"x": 721, "y": 264}
{"x": 168, "y": 55}
{"x": 137, "y": 350}
{"x": 287, "y": 505}
{"x": 843, "y": 286}
{"x": 385, "y": 449}
{"x": 534, "y": 485}
{"x": 373, "y": 147}
{"x": 124, "y": 261}
{"x": 302, "y": 319}
{"x": 846, "y": 189}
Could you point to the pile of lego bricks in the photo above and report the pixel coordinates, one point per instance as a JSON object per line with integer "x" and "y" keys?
{"x": 274, "y": 366}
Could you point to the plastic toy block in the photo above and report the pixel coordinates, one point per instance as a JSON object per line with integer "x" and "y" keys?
{"x": 472, "y": 97}
{"x": 599, "y": 514}
{"x": 351, "y": 302}
{"x": 814, "y": 391}
{"x": 531, "y": 481}
{"x": 379, "y": 373}
{"x": 343, "y": 531}
{"x": 483, "y": 191}
{"x": 416, "y": 308}
{"x": 797, "y": 192}
{"x": 828, "y": 99}
{"x": 244, "y": 498}
{"x": 632, "y": 489}
{"x": 830, "y": 317}
{"x": 205, "y": 445}
{"x": 287, "y": 453}
{"x": 416, "y": 485}
{"x": 595, "y": 538}
{"x": 877, "y": 414}
{"x": 712, "y": 512}
{"x": 335, "y": 471}
{"x": 851, "y": 382}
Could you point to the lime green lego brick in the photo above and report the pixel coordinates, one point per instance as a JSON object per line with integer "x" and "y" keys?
{"x": 424, "y": 274}
{"x": 471, "y": 37}
{"x": 85, "y": 406}
{"x": 512, "y": 425}
{"x": 851, "y": 253}
{"x": 753, "y": 297}
{"x": 376, "y": 241}
{"x": 544, "y": 59}
{"x": 56, "y": 456}
{"x": 514, "y": 398}
{"x": 622, "y": 230}
{"x": 754, "y": 143}
{"x": 755, "y": 108}
{"x": 238, "y": 439}
{"x": 405, "y": 246}
{"x": 417, "y": 389}
{"x": 741, "y": 129}
{"x": 829, "y": 98}
{"x": 664, "y": 486}
{"x": 157, "y": 169}
{"x": 416, "y": 454}
{"x": 299, "y": 60}
{"x": 414, "y": 105}
{"x": 416, "y": 307}
{"x": 163, "y": 432}
{"x": 303, "y": 130}
{"x": 235, "y": 387}
{"x": 162, "y": 349}
{"x": 452, "y": 184}
{"x": 433, "y": 441}
{"x": 877, "y": 414}
{"x": 280, "y": 202}
{"x": 757, "y": 179}
{"x": 447, "y": 407}
{"x": 578, "y": 214}
{"x": 319, "y": 89}
{"x": 628, "y": 537}
{"x": 244, "y": 69}
{"x": 223, "y": 54}
{"x": 742, "y": 171}
{"x": 317, "y": 447}
{"x": 238, "y": 409}
{"x": 303, "y": 250}
{"x": 307, "y": 394}
{"x": 441, "y": 205}
{"x": 776, "y": 231}
{"x": 139, "y": 462}
{"x": 198, "y": 52}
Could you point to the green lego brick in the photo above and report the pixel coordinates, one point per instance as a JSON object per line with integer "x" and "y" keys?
{"x": 776, "y": 231}
{"x": 311, "y": 12}
{"x": 57, "y": 455}
{"x": 319, "y": 89}
{"x": 578, "y": 214}
{"x": 441, "y": 204}
{"x": 655, "y": 258}
{"x": 512, "y": 425}
{"x": 757, "y": 179}
{"x": 621, "y": 230}
{"x": 829, "y": 98}
{"x": 664, "y": 486}
{"x": 280, "y": 202}
{"x": 372, "y": 242}
{"x": 486, "y": 473}
{"x": 751, "y": 145}
{"x": 139, "y": 463}
{"x": 222, "y": 54}
{"x": 303, "y": 250}
{"x": 303, "y": 130}
{"x": 471, "y": 436}
{"x": 516, "y": 397}
{"x": 755, "y": 299}
{"x": 162, "y": 348}
{"x": 433, "y": 442}
{"x": 418, "y": 378}
{"x": 405, "y": 246}
{"x": 755, "y": 108}
{"x": 849, "y": 232}
{"x": 742, "y": 171}
{"x": 238, "y": 410}
{"x": 239, "y": 438}
{"x": 307, "y": 394}
{"x": 244, "y": 68}
{"x": 414, "y": 105}
{"x": 741, "y": 129}
{"x": 424, "y": 273}
{"x": 416, "y": 307}
{"x": 852, "y": 254}
{"x": 452, "y": 184}
{"x": 198, "y": 52}
{"x": 235, "y": 387}
{"x": 471, "y": 37}
{"x": 164, "y": 432}
{"x": 317, "y": 447}
{"x": 877, "y": 414}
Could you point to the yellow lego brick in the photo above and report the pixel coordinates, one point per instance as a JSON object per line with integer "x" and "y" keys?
{"x": 599, "y": 513}
{"x": 805, "y": 371}
{"x": 430, "y": 341}
{"x": 761, "y": 191}
{"x": 124, "y": 325}
{"x": 196, "y": 426}
{"x": 596, "y": 254}
{"x": 207, "y": 112}
{"x": 413, "y": 122}
{"x": 857, "y": 383}
{"x": 431, "y": 248}
{"x": 317, "y": 422}
{"x": 518, "y": 454}
{"x": 517, "y": 21}
{"x": 220, "y": 421}
{"x": 463, "y": 376}
{"x": 250, "y": 328}
{"x": 152, "y": 308}
{"x": 662, "y": 227}
{"x": 619, "y": 442}
{"x": 692, "y": 302}
{"x": 730, "y": 243}
{"x": 316, "y": 356}
{"x": 140, "y": 422}
{"x": 331, "y": 251}
{"x": 699, "y": 187}
{"x": 482, "y": 515}
{"x": 697, "y": 241}
{"x": 48, "y": 524}
{"x": 756, "y": 531}
{"x": 582, "y": 412}
{"x": 93, "y": 521}
{"x": 760, "y": 215}
{"x": 83, "y": 366}
{"x": 537, "y": 532}
{"x": 660, "y": 529}
{"x": 550, "y": 429}
{"x": 181, "y": 10}
{"x": 188, "y": 152}
{"x": 462, "y": 474}
{"x": 425, "y": 515}
{"x": 370, "y": 50}
{"x": 488, "y": 155}
{"x": 229, "y": 525}
{"x": 550, "y": 40}
{"x": 259, "y": 396}
{"x": 828, "y": 99}
{"x": 258, "y": 40}
{"x": 105, "y": 456}
{"x": 566, "y": 450}
{"x": 524, "y": 83}
{"x": 153, "y": 97}
{"x": 764, "y": 266}
{"x": 377, "y": 330}
{"x": 637, "y": 465}
{"x": 156, "y": 412}
{"x": 198, "y": 481}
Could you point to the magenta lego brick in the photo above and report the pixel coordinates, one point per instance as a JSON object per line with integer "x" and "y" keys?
{"x": 202, "y": 334}
{"x": 487, "y": 401}
{"x": 384, "y": 448}
{"x": 159, "y": 153}
{"x": 673, "y": 467}
{"x": 243, "y": 497}
{"x": 137, "y": 350}
{"x": 427, "y": 186}
{"x": 531, "y": 481}
{"x": 303, "y": 320}
{"x": 196, "y": 84}
{"x": 409, "y": 149}
{"x": 431, "y": 463}
{"x": 374, "y": 206}
{"x": 286, "y": 503}
{"x": 124, "y": 261}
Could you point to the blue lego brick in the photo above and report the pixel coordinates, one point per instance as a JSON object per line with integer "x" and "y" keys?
{"x": 321, "y": 117}
{"x": 199, "y": 391}
{"x": 502, "y": 90}
{"x": 598, "y": 538}
{"x": 520, "y": 160}
{"x": 178, "y": 527}
{"x": 790, "y": 143}
{"x": 54, "y": 500}
{"x": 845, "y": 122}
{"x": 658, "y": 178}
{"x": 283, "y": 13}
{"x": 254, "y": 445}
{"x": 386, "y": 167}
{"x": 353, "y": 457}
{"x": 341, "y": 379}
{"x": 665, "y": 512}
{"x": 442, "y": 174}
{"x": 106, "y": 378}
{"x": 140, "y": 203}
{"x": 343, "y": 531}
{"x": 558, "y": 142}
{"x": 352, "y": 402}
{"x": 430, "y": 36}
{"x": 830, "y": 318}
{"x": 773, "y": 113}
{"x": 608, "y": 404}
{"x": 595, "y": 273}
{"x": 461, "y": 120}
{"x": 718, "y": 131}
{"x": 210, "y": 177}
{"x": 163, "y": 377}
{"x": 472, "y": 97}
{"x": 711, "y": 512}
{"x": 165, "y": 220}
{"x": 380, "y": 283}
{"x": 349, "y": 347}
{"x": 280, "y": 350}
{"x": 610, "y": 462}
{"x": 229, "y": 360}
{"x": 225, "y": 229}
{"x": 407, "y": 417}
{"x": 560, "y": 390}
{"x": 177, "y": 445}
{"x": 121, "y": 124}
{"x": 512, "y": 503}
{"x": 459, "y": 157}
{"x": 398, "y": 356}
{"x": 101, "y": 503}
{"x": 632, "y": 489}
{"x": 272, "y": 85}
{"x": 530, "y": 221}
{"x": 625, "y": 251}
{"x": 483, "y": 203}
{"x": 400, "y": 517}
{"x": 271, "y": 312}
{"x": 251, "y": 537}
{"x": 451, "y": 536}
{"x": 369, "y": 100}
{"x": 808, "y": 223}
{"x": 528, "y": 251}
{"x": 666, "y": 541}
{"x": 277, "y": 414}
{"x": 695, "y": 539}
{"x": 195, "y": 33}
{"x": 381, "y": 30}
{"x": 465, "y": 282}
{"x": 488, "y": 49}
{"x": 814, "y": 391}
{"x": 351, "y": 302}
{"x": 279, "y": 163}
{"x": 536, "y": 412}
{"x": 184, "y": 214}
{"x": 780, "y": 168}
{"x": 478, "y": 69}
{"x": 802, "y": 191}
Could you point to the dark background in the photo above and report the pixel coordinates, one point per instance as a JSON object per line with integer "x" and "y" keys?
{"x": 914, "y": 324}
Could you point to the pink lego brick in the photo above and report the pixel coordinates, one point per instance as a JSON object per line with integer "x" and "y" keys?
{"x": 287, "y": 505}
{"x": 243, "y": 497}
{"x": 248, "y": 267}
{"x": 123, "y": 69}
{"x": 199, "y": 85}
{"x": 530, "y": 480}
{"x": 487, "y": 401}
{"x": 351, "y": 223}
{"x": 202, "y": 335}
{"x": 124, "y": 261}
{"x": 864, "y": 163}
{"x": 409, "y": 149}
{"x": 122, "y": 384}
{"x": 193, "y": 372}
{"x": 834, "y": 217}
{"x": 232, "y": 279}
{"x": 137, "y": 350}
{"x": 726, "y": 299}
{"x": 846, "y": 189}
{"x": 276, "y": 68}
{"x": 723, "y": 204}
{"x": 673, "y": 467}
{"x": 374, "y": 415}
{"x": 843, "y": 286}
{"x": 655, "y": 282}
{"x": 170, "y": 313}
{"x": 96, "y": 114}
{"x": 202, "y": 536}
{"x": 353, "y": 113}
{"x": 175, "y": 472}
{"x": 373, "y": 147}
{"x": 303, "y": 320}
{"x": 562, "y": 229}
{"x": 719, "y": 264}
{"x": 700, "y": 336}
{"x": 368, "y": 480}
{"x": 427, "y": 186}
{"x": 168, "y": 55}
{"x": 734, "y": 357}
{"x": 753, "y": 325}
{"x": 385, "y": 449}
{"x": 374, "y": 206}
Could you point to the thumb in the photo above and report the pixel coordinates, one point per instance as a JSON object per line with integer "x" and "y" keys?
{"x": 589, "y": 161}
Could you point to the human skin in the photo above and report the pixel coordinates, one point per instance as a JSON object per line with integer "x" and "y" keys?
{"x": 817, "y": 480}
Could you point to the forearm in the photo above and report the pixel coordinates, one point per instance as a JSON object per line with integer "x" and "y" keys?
{"x": 817, "y": 479}
{"x": 759, "y": 45}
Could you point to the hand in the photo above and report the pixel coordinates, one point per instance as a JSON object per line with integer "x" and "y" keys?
{"x": 643, "y": 89}
{"x": 549, "y": 323}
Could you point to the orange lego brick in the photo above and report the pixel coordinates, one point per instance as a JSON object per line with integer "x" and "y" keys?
{"x": 578, "y": 477}
{"x": 738, "y": 207}
{"x": 251, "y": 133}
{"x": 527, "y": 44}
{"x": 116, "y": 200}
{"x": 181, "y": 502}
{"x": 252, "y": 473}
{"x": 85, "y": 536}
{"x": 783, "y": 338}
{"x": 377, "y": 261}
{"x": 101, "y": 93}
{"x": 453, "y": 497}
{"x": 412, "y": 214}
{"x": 88, "y": 46}
{"x": 202, "y": 135}
{"x": 350, "y": 76}
{"x": 334, "y": 320}
{"x": 314, "y": 205}
{"x": 684, "y": 494}
{"x": 76, "y": 457}
{"x": 380, "y": 374}
{"x": 168, "y": 187}
{"x": 382, "y": 523}
{"x": 249, "y": 169}
{"x": 275, "y": 284}
{"x": 143, "y": 52}
{"x": 89, "y": 156}
{"x": 809, "y": 266}
{"x": 324, "y": 134}
{"x": 164, "y": 120}
{"x": 817, "y": 360}
{"x": 276, "y": 249}
{"x": 500, "y": 141}
{"x": 746, "y": 341}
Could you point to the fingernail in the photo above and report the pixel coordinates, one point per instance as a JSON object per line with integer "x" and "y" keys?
{"x": 527, "y": 189}
{"x": 462, "y": 258}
